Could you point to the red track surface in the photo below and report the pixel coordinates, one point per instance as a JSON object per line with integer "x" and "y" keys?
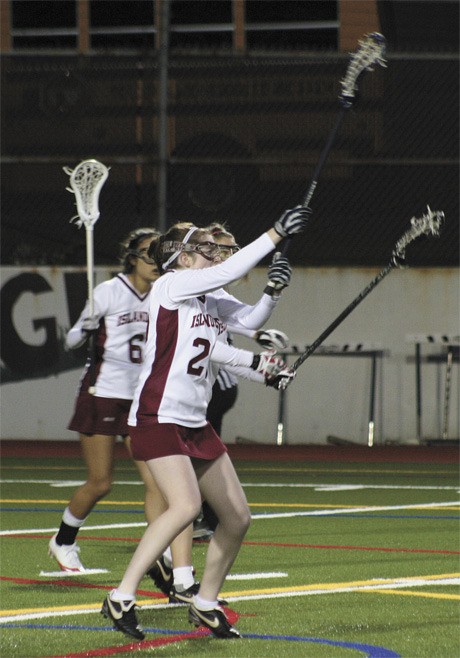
{"x": 262, "y": 452}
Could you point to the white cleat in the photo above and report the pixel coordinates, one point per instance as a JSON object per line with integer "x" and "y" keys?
{"x": 66, "y": 556}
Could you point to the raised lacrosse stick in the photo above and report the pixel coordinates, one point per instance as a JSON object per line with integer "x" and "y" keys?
{"x": 86, "y": 182}
{"x": 428, "y": 224}
{"x": 370, "y": 51}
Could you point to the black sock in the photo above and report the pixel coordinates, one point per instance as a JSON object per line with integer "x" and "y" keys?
{"x": 66, "y": 534}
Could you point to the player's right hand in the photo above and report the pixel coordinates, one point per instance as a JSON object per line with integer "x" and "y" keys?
{"x": 90, "y": 324}
{"x": 268, "y": 363}
{"x": 282, "y": 379}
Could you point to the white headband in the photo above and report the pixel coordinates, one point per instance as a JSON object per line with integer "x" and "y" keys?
{"x": 177, "y": 252}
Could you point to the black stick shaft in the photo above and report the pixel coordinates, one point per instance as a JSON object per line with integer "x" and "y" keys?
{"x": 314, "y": 346}
{"x": 323, "y": 157}
{"x": 92, "y": 362}
{"x": 321, "y": 162}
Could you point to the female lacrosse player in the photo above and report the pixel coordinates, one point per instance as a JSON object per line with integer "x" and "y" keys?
{"x": 120, "y": 325}
{"x": 223, "y": 396}
{"x": 167, "y": 419}
{"x": 225, "y": 388}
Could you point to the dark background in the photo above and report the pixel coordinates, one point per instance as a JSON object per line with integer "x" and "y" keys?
{"x": 245, "y": 131}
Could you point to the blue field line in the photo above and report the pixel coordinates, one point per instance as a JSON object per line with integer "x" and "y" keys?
{"x": 369, "y": 650}
{"x": 338, "y": 516}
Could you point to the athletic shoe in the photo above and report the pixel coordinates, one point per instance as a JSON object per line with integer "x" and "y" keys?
{"x": 123, "y": 616}
{"x": 186, "y": 595}
{"x": 215, "y": 620}
{"x": 162, "y": 576}
{"x": 183, "y": 595}
{"x": 66, "y": 556}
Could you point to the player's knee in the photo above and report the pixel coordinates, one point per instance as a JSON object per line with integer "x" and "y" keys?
{"x": 245, "y": 520}
{"x": 238, "y": 522}
{"x": 188, "y": 508}
{"x": 191, "y": 509}
{"x": 102, "y": 488}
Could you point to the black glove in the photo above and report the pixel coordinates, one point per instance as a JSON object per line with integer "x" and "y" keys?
{"x": 292, "y": 221}
{"x": 90, "y": 324}
{"x": 281, "y": 380}
{"x": 279, "y": 275}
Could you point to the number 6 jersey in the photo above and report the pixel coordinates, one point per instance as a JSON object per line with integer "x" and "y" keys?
{"x": 120, "y": 337}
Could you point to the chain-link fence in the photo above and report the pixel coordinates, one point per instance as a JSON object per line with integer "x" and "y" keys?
{"x": 245, "y": 135}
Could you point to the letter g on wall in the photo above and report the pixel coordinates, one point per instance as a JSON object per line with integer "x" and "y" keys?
{"x": 19, "y": 357}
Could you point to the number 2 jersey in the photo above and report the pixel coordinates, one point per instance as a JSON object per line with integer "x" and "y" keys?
{"x": 120, "y": 338}
{"x": 186, "y": 319}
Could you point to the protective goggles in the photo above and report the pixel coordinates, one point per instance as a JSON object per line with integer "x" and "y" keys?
{"x": 227, "y": 250}
{"x": 207, "y": 249}
{"x": 143, "y": 255}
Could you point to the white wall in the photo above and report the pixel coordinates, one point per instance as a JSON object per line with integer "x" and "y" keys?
{"x": 330, "y": 395}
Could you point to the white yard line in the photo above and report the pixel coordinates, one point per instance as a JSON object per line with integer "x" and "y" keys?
{"x": 275, "y": 515}
{"x": 255, "y": 576}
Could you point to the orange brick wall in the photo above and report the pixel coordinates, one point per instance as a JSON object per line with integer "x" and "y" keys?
{"x": 357, "y": 17}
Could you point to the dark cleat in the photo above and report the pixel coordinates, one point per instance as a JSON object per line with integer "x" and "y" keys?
{"x": 123, "y": 617}
{"x": 162, "y": 576}
{"x": 215, "y": 620}
{"x": 186, "y": 595}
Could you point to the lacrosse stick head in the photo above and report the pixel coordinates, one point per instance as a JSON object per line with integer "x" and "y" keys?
{"x": 428, "y": 224}
{"x": 86, "y": 182}
{"x": 370, "y": 51}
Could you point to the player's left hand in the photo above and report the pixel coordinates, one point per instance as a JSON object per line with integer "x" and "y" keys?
{"x": 279, "y": 272}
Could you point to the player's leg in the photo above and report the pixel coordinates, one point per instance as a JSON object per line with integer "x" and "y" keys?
{"x": 176, "y": 479}
{"x": 220, "y": 486}
{"x": 97, "y": 452}
{"x": 173, "y": 572}
{"x": 224, "y": 396}
{"x": 154, "y": 502}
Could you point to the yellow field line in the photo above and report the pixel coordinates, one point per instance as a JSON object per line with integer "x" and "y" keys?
{"x": 141, "y": 502}
{"x": 428, "y": 595}
{"x": 59, "y": 608}
{"x": 354, "y": 583}
{"x": 252, "y": 592}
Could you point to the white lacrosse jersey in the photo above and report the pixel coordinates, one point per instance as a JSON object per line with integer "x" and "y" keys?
{"x": 175, "y": 383}
{"x": 243, "y": 320}
{"x": 120, "y": 339}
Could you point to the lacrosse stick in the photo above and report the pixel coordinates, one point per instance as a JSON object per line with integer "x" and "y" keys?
{"x": 428, "y": 224}
{"x": 86, "y": 182}
{"x": 370, "y": 51}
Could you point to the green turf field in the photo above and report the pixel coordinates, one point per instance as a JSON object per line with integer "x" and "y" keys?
{"x": 341, "y": 560}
